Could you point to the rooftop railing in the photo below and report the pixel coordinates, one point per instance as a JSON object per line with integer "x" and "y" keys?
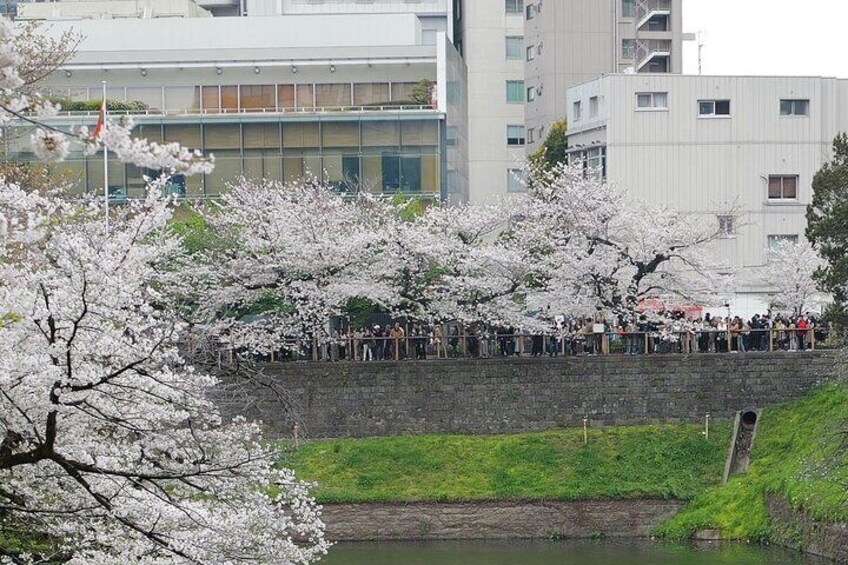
{"x": 243, "y": 111}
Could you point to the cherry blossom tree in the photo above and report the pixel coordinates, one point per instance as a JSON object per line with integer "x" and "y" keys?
{"x": 298, "y": 252}
{"x": 454, "y": 264}
{"x": 789, "y": 272}
{"x": 110, "y": 444}
{"x": 593, "y": 248}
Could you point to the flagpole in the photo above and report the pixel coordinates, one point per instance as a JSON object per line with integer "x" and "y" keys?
{"x": 105, "y": 161}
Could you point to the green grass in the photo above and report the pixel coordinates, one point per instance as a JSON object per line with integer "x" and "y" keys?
{"x": 669, "y": 461}
{"x": 799, "y": 454}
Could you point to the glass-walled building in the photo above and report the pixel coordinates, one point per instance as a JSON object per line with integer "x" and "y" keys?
{"x": 381, "y": 152}
{"x": 359, "y": 116}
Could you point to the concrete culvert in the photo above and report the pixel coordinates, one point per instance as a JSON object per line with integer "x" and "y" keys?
{"x": 744, "y": 431}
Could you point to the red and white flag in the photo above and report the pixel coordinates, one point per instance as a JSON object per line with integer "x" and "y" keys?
{"x": 101, "y": 120}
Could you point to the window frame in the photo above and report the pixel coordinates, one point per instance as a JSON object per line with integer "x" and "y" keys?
{"x": 726, "y": 226}
{"x": 782, "y": 199}
{"x": 521, "y": 87}
{"x": 792, "y": 107}
{"x": 577, "y": 110}
{"x": 773, "y": 238}
{"x": 530, "y": 94}
{"x": 594, "y": 106}
{"x": 520, "y": 53}
{"x": 513, "y": 185}
{"x": 714, "y": 114}
{"x": 530, "y": 11}
{"x": 653, "y": 107}
{"x": 518, "y": 6}
{"x": 520, "y": 140}
{"x": 530, "y": 52}
{"x": 628, "y": 48}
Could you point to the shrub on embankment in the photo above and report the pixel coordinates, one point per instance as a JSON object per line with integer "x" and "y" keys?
{"x": 667, "y": 461}
{"x": 800, "y": 454}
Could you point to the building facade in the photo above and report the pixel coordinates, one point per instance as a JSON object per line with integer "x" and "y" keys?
{"x": 741, "y": 151}
{"x": 518, "y": 56}
{"x": 337, "y": 96}
{"x": 568, "y": 43}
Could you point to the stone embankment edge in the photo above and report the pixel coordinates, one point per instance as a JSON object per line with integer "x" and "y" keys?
{"x": 798, "y": 530}
{"x": 582, "y": 519}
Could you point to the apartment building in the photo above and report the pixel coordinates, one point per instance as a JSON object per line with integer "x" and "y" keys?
{"x": 570, "y": 42}
{"x": 739, "y": 150}
{"x": 331, "y": 94}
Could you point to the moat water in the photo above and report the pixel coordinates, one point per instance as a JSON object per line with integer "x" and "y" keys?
{"x": 607, "y": 552}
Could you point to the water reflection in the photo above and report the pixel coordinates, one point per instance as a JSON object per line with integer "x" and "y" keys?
{"x": 561, "y": 553}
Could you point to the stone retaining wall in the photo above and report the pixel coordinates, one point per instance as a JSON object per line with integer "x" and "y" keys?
{"x": 496, "y": 520}
{"x": 488, "y": 396}
{"x": 798, "y": 530}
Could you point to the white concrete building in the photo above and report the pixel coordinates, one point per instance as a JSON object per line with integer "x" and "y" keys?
{"x": 490, "y": 35}
{"x": 570, "y": 42}
{"x": 710, "y": 145}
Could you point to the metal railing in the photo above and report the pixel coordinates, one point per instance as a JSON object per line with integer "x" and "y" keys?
{"x": 646, "y": 8}
{"x": 491, "y": 345}
{"x": 240, "y": 111}
{"x": 647, "y": 49}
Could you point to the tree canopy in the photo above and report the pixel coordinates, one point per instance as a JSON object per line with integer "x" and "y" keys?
{"x": 827, "y": 220}
{"x": 553, "y": 149}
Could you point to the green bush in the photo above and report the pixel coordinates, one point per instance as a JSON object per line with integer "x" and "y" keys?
{"x": 68, "y": 105}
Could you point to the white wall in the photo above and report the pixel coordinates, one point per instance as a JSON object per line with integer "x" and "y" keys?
{"x": 486, "y": 27}
{"x": 708, "y": 166}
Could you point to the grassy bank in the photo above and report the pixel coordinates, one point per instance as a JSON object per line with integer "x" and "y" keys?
{"x": 670, "y": 461}
{"x": 798, "y": 454}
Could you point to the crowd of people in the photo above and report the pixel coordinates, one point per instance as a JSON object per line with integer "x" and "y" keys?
{"x": 646, "y": 334}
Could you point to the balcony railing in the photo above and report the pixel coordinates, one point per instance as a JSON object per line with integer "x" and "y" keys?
{"x": 242, "y": 111}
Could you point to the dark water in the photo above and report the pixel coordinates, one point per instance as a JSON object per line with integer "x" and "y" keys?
{"x": 560, "y": 553}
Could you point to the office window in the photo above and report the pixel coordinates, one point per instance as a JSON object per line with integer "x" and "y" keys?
{"x": 514, "y": 6}
{"x": 531, "y": 53}
{"x": 627, "y": 8}
{"x": 593, "y": 107}
{"x": 531, "y": 94}
{"x": 652, "y": 100}
{"x": 726, "y": 226}
{"x": 628, "y": 49}
{"x": 515, "y": 91}
{"x": 531, "y": 11}
{"x": 714, "y": 108}
{"x": 783, "y": 187}
{"x": 530, "y": 138}
{"x": 794, "y": 107}
{"x": 577, "y": 111}
{"x": 775, "y": 240}
{"x": 514, "y": 47}
{"x": 515, "y": 180}
{"x": 515, "y": 135}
